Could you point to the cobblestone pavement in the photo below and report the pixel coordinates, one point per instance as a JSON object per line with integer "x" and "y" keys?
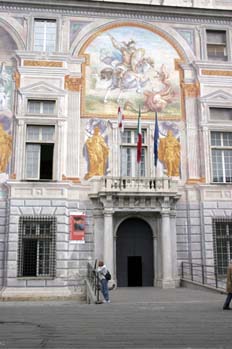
{"x": 136, "y": 318}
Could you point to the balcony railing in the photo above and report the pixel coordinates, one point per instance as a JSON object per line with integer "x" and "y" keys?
{"x": 130, "y": 184}
{"x": 203, "y": 274}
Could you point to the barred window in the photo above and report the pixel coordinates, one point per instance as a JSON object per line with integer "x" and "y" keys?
{"x": 222, "y": 237}
{"x": 37, "y": 246}
{"x": 129, "y": 154}
{"x": 221, "y": 150}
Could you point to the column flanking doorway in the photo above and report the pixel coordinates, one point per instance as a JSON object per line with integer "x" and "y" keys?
{"x": 134, "y": 254}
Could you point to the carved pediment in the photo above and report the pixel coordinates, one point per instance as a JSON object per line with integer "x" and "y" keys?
{"x": 42, "y": 88}
{"x": 219, "y": 96}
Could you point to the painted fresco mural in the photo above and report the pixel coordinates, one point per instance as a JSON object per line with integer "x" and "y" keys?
{"x": 96, "y": 150}
{"x": 6, "y": 102}
{"x": 131, "y": 66}
{"x": 7, "y": 47}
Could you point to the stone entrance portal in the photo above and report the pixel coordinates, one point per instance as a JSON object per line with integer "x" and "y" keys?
{"x": 134, "y": 254}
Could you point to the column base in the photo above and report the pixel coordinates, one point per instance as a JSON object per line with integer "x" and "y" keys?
{"x": 167, "y": 283}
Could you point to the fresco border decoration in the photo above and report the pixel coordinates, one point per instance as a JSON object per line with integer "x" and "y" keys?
{"x": 127, "y": 69}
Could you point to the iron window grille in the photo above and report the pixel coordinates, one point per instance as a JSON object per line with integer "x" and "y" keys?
{"x": 37, "y": 246}
{"x": 222, "y": 238}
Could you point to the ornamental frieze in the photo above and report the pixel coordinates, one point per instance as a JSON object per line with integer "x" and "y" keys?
{"x": 31, "y": 63}
{"x": 216, "y": 72}
{"x": 72, "y": 83}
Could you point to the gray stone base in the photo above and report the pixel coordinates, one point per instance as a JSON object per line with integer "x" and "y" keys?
{"x": 37, "y": 294}
{"x": 167, "y": 283}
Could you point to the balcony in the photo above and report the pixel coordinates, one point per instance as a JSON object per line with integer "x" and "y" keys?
{"x": 134, "y": 185}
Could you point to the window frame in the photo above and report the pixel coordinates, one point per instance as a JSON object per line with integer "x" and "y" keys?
{"x": 45, "y": 19}
{"x": 211, "y": 120}
{"x": 133, "y": 145}
{"x": 40, "y": 142}
{"x": 222, "y": 148}
{"x": 41, "y": 112}
{"x": 50, "y": 237}
{"x": 227, "y": 44}
{"x": 223, "y": 45}
{"x": 227, "y": 237}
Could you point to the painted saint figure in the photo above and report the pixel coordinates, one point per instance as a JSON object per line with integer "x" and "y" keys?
{"x": 98, "y": 154}
{"x": 5, "y": 149}
{"x": 169, "y": 154}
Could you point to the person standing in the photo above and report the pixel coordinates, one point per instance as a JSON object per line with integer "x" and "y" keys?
{"x": 102, "y": 270}
{"x": 226, "y": 305}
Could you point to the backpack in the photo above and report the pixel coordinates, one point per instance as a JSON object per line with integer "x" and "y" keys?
{"x": 108, "y": 275}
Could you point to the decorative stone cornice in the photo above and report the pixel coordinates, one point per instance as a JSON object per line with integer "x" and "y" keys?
{"x": 31, "y": 63}
{"x": 72, "y": 83}
{"x": 119, "y": 11}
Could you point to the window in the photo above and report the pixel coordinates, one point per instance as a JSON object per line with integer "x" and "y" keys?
{"x": 45, "y": 35}
{"x": 221, "y": 114}
{"x": 221, "y": 149}
{"x": 39, "y": 152}
{"x": 35, "y": 106}
{"x": 129, "y": 164}
{"x": 222, "y": 234}
{"x": 37, "y": 248}
{"x": 216, "y": 45}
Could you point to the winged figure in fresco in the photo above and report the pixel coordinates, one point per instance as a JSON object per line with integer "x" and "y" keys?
{"x": 156, "y": 100}
{"x": 126, "y": 70}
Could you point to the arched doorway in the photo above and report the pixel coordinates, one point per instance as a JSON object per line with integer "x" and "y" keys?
{"x": 134, "y": 254}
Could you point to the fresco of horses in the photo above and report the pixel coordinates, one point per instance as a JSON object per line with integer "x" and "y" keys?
{"x": 131, "y": 66}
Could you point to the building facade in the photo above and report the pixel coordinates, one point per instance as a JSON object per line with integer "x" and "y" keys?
{"x": 115, "y": 141}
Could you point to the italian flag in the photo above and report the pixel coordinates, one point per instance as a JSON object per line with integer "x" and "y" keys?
{"x": 121, "y": 119}
{"x": 139, "y": 138}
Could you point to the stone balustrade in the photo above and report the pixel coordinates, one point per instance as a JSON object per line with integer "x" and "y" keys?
{"x": 131, "y": 185}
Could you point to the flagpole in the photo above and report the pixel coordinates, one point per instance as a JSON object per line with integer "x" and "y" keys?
{"x": 139, "y": 144}
{"x": 156, "y": 138}
{"x": 120, "y": 131}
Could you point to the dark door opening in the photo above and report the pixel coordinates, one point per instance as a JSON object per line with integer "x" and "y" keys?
{"x": 134, "y": 254}
{"x": 134, "y": 273}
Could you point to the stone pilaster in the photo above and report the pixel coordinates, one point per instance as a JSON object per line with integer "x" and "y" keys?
{"x": 98, "y": 235}
{"x": 109, "y": 240}
{"x": 173, "y": 247}
{"x": 73, "y": 151}
{"x": 167, "y": 280}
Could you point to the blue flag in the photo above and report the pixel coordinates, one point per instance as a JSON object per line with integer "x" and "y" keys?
{"x": 156, "y": 138}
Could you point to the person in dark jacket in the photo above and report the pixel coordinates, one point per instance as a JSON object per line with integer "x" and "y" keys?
{"x": 226, "y": 305}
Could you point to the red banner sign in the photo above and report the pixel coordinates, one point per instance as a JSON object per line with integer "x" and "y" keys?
{"x": 77, "y": 227}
